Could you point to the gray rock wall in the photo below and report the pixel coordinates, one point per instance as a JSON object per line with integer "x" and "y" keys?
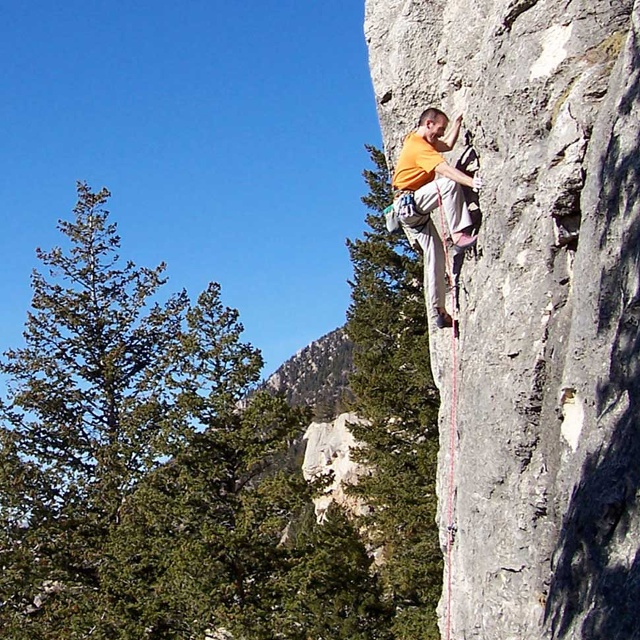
{"x": 547, "y": 442}
{"x": 328, "y": 451}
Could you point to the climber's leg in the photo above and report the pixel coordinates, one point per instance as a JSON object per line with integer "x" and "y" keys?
{"x": 426, "y": 237}
{"x": 454, "y": 204}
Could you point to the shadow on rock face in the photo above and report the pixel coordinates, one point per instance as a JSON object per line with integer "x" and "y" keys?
{"x": 587, "y": 585}
{"x": 596, "y": 572}
{"x": 469, "y": 163}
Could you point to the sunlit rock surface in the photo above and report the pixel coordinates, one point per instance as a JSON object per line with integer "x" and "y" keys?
{"x": 547, "y": 443}
{"x": 328, "y": 451}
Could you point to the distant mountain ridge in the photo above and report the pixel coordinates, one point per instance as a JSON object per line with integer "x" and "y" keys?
{"x": 317, "y": 376}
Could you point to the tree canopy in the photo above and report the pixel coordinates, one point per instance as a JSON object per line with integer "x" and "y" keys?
{"x": 139, "y": 499}
{"x": 150, "y": 492}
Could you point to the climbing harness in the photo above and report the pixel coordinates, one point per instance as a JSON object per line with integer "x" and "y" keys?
{"x": 407, "y": 213}
{"x": 452, "y": 428}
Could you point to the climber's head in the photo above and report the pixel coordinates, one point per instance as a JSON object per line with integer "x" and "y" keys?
{"x": 432, "y": 124}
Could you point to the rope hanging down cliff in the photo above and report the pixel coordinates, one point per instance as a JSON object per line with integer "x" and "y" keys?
{"x": 452, "y": 431}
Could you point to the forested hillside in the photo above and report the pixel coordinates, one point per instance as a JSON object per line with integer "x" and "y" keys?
{"x": 318, "y": 376}
{"x": 137, "y": 501}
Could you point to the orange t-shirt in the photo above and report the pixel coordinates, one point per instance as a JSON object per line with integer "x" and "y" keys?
{"x": 416, "y": 164}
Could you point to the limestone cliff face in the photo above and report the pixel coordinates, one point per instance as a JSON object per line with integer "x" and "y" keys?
{"x": 547, "y": 443}
{"x": 328, "y": 450}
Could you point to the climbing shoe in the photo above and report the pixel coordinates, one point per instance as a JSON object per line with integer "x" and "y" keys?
{"x": 444, "y": 320}
{"x": 464, "y": 241}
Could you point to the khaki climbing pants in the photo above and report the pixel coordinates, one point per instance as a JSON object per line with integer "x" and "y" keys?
{"x": 423, "y": 234}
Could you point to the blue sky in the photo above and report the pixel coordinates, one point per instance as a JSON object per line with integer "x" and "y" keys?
{"x": 231, "y": 136}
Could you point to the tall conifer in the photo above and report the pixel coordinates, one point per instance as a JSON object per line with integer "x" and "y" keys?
{"x": 88, "y": 414}
{"x": 394, "y": 390}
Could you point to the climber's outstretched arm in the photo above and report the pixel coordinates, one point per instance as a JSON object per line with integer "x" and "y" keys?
{"x": 448, "y": 141}
{"x": 447, "y": 171}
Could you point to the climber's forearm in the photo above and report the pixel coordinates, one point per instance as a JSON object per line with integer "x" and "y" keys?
{"x": 447, "y": 171}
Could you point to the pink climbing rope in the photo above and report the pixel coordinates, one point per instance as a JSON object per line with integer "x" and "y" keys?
{"x": 452, "y": 428}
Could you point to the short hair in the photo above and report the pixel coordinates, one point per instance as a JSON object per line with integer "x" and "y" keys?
{"x": 431, "y": 114}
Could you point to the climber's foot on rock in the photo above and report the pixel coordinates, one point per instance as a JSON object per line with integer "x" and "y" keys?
{"x": 462, "y": 240}
{"x": 443, "y": 319}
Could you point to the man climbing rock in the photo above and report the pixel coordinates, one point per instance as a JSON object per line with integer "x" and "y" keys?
{"x": 423, "y": 171}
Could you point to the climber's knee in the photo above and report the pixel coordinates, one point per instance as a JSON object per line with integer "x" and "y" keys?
{"x": 447, "y": 186}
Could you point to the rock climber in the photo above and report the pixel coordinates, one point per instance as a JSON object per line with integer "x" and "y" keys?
{"x": 422, "y": 170}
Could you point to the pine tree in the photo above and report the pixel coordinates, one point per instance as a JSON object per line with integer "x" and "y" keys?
{"x": 224, "y": 537}
{"x": 87, "y": 416}
{"x": 199, "y": 545}
{"x": 328, "y": 587}
{"x": 139, "y": 500}
{"x": 394, "y": 390}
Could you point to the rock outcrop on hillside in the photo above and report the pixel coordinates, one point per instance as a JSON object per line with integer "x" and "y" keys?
{"x": 328, "y": 451}
{"x": 547, "y": 445}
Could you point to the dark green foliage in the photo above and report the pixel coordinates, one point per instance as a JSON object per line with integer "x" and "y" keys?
{"x": 88, "y": 414}
{"x": 329, "y": 587}
{"x": 394, "y": 389}
{"x": 138, "y": 500}
{"x": 201, "y": 535}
